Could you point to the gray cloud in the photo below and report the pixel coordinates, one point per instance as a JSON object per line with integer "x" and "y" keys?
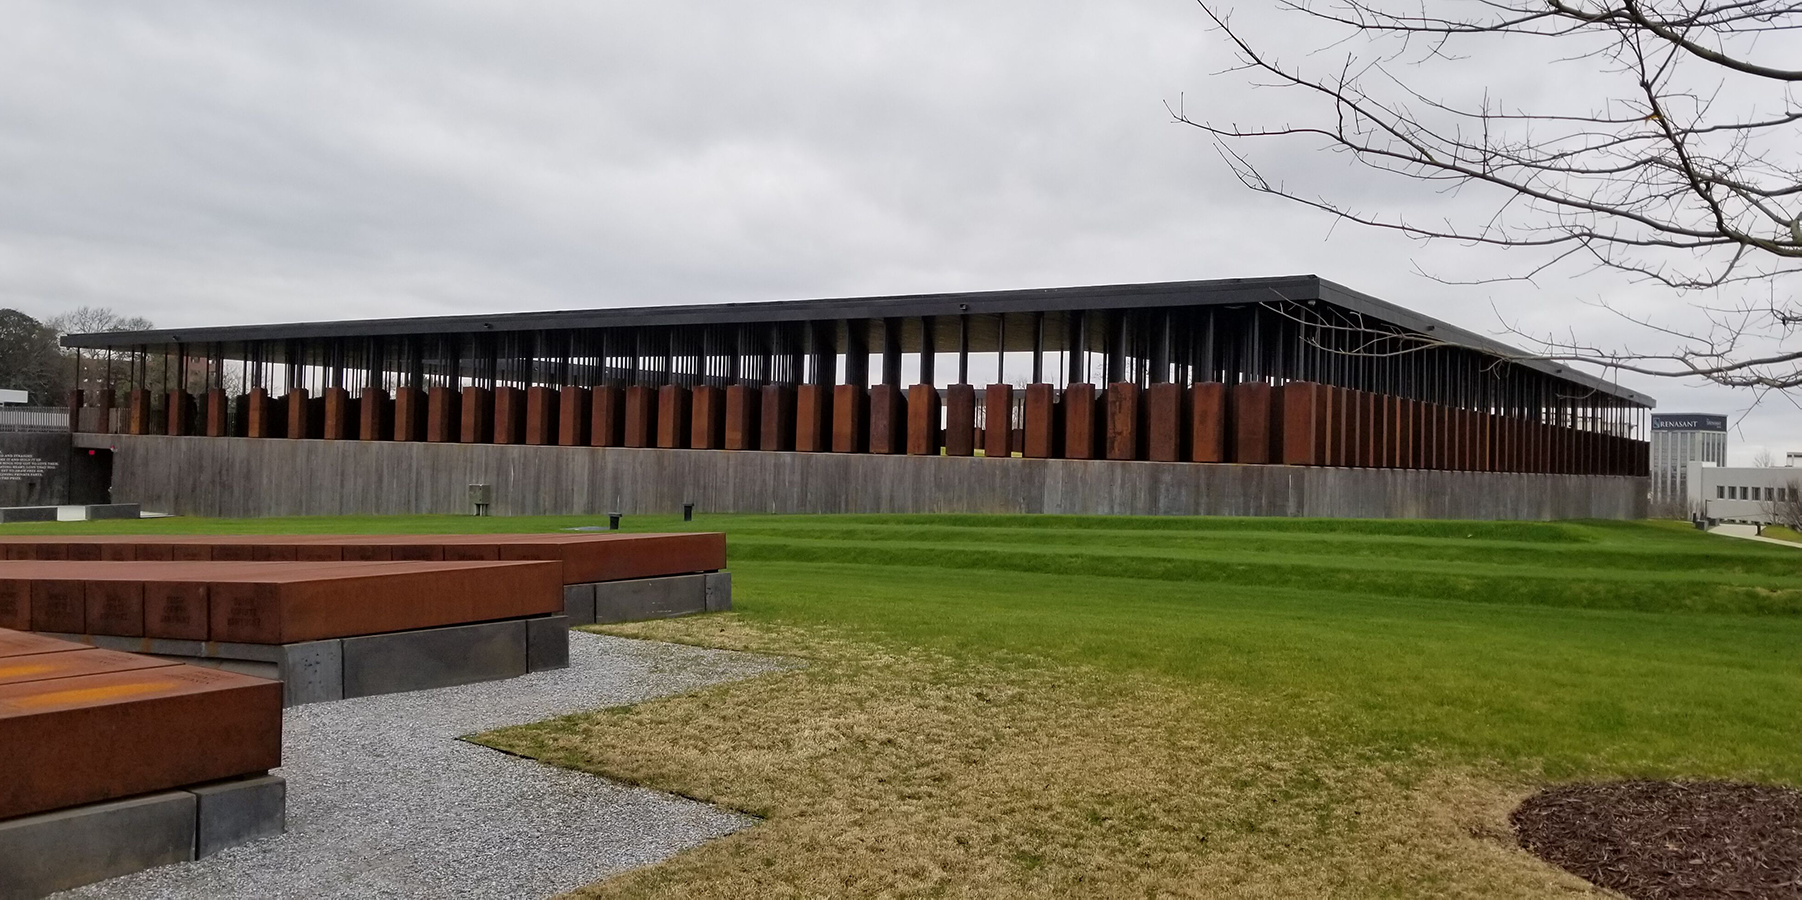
{"x": 199, "y": 163}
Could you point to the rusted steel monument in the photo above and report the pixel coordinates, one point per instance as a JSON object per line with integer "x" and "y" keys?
{"x": 1294, "y": 372}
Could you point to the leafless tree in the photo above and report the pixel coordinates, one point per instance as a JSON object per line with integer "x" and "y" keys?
{"x": 1763, "y": 459}
{"x": 1687, "y": 173}
{"x": 1786, "y": 507}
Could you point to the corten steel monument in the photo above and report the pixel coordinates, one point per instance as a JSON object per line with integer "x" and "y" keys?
{"x": 1293, "y": 371}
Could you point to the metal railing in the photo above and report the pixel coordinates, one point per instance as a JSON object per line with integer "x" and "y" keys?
{"x": 34, "y": 418}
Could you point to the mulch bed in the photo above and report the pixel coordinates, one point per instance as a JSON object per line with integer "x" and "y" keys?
{"x": 1661, "y": 840}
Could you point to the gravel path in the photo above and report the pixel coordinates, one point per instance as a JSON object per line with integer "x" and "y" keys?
{"x": 383, "y": 801}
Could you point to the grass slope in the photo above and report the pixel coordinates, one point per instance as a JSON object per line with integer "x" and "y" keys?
{"x": 1109, "y": 706}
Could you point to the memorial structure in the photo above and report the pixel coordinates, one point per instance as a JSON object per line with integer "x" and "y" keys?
{"x": 1283, "y": 374}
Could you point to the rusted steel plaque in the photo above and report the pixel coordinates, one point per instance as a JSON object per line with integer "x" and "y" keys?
{"x": 1121, "y": 402}
{"x": 616, "y": 557}
{"x": 707, "y": 418}
{"x": 138, "y": 412}
{"x": 409, "y": 414}
{"x": 509, "y": 415}
{"x": 960, "y": 420}
{"x": 743, "y": 425}
{"x": 59, "y": 604}
{"x": 15, "y": 604}
{"x": 1164, "y": 422}
{"x": 574, "y": 412}
{"x": 607, "y": 418}
{"x": 1301, "y": 423}
{"x": 86, "y": 661}
{"x": 176, "y": 610}
{"x": 541, "y": 416}
{"x": 69, "y": 741}
{"x": 373, "y": 415}
{"x": 443, "y": 407}
{"x": 1039, "y": 432}
{"x": 639, "y": 428}
{"x": 923, "y": 437}
{"x": 888, "y": 419}
{"x": 338, "y": 422}
{"x": 115, "y": 607}
{"x": 323, "y": 600}
{"x": 217, "y": 421}
{"x": 998, "y": 421}
{"x": 776, "y": 427}
{"x": 294, "y": 409}
{"x": 476, "y": 420}
{"x": 21, "y": 643}
{"x": 1251, "y": 407}
{"x": 850, "y": 418}
{"x": 672, "y": 416}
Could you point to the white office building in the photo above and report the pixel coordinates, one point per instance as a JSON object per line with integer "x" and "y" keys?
{"x": 1746, "y": 495}
{"x": 1679, "y": 439}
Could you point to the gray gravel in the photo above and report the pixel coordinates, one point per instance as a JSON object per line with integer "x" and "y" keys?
{"x": 384, "y": 801}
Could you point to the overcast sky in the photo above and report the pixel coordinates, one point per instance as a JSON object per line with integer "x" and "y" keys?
{"x": 217, "y": 163}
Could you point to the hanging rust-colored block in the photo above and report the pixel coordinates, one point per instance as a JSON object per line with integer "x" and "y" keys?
{"x": 672, "y": 417}
{"x": 409, "y": 414}
{"x": 888, "y": 419}
{"x": 743, "y": 422}
{"x": 574, "y": 411}
{"x": 1251, "y": 409}
{"x": 294, "y": 409}
{"x": 998, "y": 421}
{"x": 1120, "y": 412}
{"x": 103, "y": 402}
{"x": 1164, "y": 422}
{"x": 1207, "y": 422}
{"x": 374, "y": 415}
{"x": 776, "y": 417}
{"x": 1040, "y": 434}
{"x": 813, "y": 418}
{"x": 707, "y": 418}
{"x": 89, "y": 738}
{"x": 443, "y": 416}
{"x": 607, "y": 417}
{"x": 1082, "y": 417}
{"x": 73, "y": 663}
{"x": 509, "y": 418}
{"x": 218, "y": 413}
{"x": 475, "y": 417}
{"x": 137, "y": 412}
{"x": 337, "y": 425}
{"x": 639, "y": 427}
{"x": 178, "y": 410}
{"x": 850, "y": 418}
{"x": 541, "y": 416}
{"x": 115, "y": 607}
{"x": 960, "y": 420}
{"x": 923, "y": 437}
{"x": 1301, "y": 424}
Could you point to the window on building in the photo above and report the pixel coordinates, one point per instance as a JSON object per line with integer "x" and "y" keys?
{"x": 1720, "y": 492}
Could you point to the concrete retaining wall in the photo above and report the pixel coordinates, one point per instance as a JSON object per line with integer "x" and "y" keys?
{"x": 267, "y": 477}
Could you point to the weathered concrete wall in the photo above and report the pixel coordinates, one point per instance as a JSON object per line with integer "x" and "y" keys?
{"x": 265, "y": 477}
{"x": 34, "y": 468}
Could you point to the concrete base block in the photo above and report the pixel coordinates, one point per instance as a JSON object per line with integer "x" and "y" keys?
{"x": 547, "y": 643}
{"x": 719, "y": 591}
{"x": 113, "y": 511}
{"x": 649, "y": 598}
{"x": 54, "y": 851}
{"x": 311, "y": 672}
{"x": 229, "y": 813}
{"x": 578, "y": 603}
{"x": 27, "y": 513}
{"x": 434, "y": 657}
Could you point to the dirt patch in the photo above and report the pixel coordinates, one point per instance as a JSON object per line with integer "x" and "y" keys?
{"x": 1665, "y": 840}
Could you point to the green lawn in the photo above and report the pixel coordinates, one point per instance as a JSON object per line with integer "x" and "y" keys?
{"x": 1397, "y": 651}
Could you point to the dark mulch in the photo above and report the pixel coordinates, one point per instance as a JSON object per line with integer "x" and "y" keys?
{"x": 1658, "y": 840}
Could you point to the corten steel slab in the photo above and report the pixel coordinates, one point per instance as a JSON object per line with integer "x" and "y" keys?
{"x": 776, "y": 421}
{"x": 607, "y": 417}
{"x": 1164, "y": 422}
{"x": 409, "y": 414}
{"x": 542, "y": 408}
{"x": 294, "y": 409}
{"x": 372, "y": 415}
{"x": 850, "y": 418}
{"x": 743, "y": 422}
{"x": 1301, "y": 423}
{"x": 813, "y": 418}
{"x": 218, "y": 423}
{"x": 672, "y": 416}
{"x": 1039, "y": 425}
{"x": 59, "y": 604}
{"x": 15, "y": 604}
{"x": 1120, "y": 418}
{"x": 888, "y": 419}
{"x": 960, "y": 420}
{"x": 997, "y": 421}
{"x": 706, "y": 418}
{"x": 639, "y": 428}
{"x": 138, "y": 412}
{"x": 178, "y": 406}
{"x": 1082, "y": 417}
{"x": 509, "y": 415}
{"x": 1207, "y": 422}
{"x": 574, "y": 412}
{"x": 23, "y": 643}
{"x": 259, "y": 414}
{"x": 70, "y": 663}
{"x": 923, "y": 420}
{"x": 326, "y": 601}
{"x": 338, "y": 422}
{"x": 115, "y": 607}
{"x": 176, "y": 610}
{"x": 1251, "y": 408}
{"x": 98, "y": 737}
{"x": 443, "y": 409}
{"x": 475, "y": 421}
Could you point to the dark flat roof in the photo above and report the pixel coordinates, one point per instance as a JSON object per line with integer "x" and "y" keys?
{"x": 1223, "y": 291}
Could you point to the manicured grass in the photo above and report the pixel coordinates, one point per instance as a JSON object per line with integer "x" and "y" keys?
{"x": 1095, "y": 705}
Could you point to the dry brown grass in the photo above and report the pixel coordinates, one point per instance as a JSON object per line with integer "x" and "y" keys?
{"x": 886, "y": 773}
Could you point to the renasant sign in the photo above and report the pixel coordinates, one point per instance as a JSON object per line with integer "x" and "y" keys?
{"x": 1688, "y": 423}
